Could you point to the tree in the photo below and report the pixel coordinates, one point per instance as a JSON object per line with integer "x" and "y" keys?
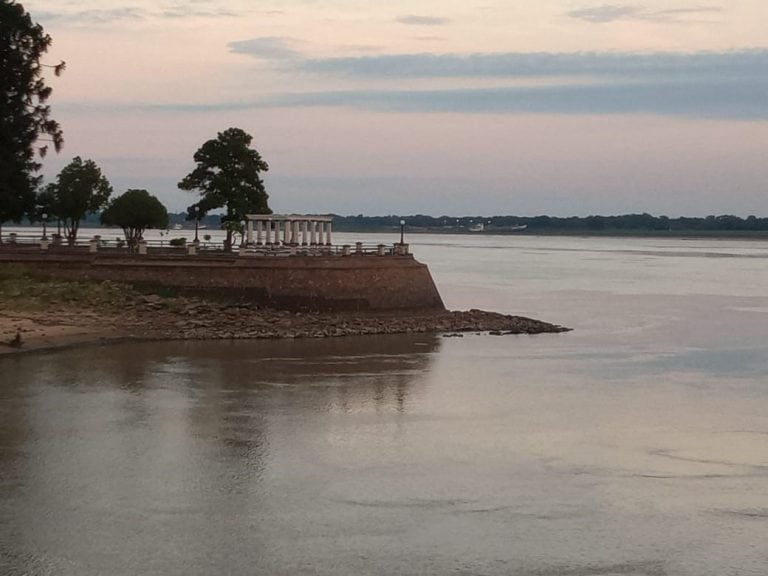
{"x": 227, "y": 176}
{"x": 135, "y": 211}
{"x": 24, "y": 114}
{"x": 80, "y": 188}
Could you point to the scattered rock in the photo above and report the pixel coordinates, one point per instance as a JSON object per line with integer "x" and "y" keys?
{"x": 16, "y": 342}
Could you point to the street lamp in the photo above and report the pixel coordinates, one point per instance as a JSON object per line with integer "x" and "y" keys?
{"x": 402, "y": 231}
{"x": 45, "y": 225}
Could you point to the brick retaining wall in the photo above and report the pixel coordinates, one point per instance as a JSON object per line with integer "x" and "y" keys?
{"x": 356, "y": 282}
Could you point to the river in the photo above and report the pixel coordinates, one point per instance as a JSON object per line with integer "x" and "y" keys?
{"x": 636, "y": 445}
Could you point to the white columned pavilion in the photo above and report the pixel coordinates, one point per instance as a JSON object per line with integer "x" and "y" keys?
{"x": 259, "y": 232}
{"x": 296, "y": 228}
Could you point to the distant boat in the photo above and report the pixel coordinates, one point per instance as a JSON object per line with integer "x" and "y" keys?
{"x": 480, "y": 227}
{"x": 178, "y": 227}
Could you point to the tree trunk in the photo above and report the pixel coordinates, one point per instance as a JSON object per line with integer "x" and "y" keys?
{"x": 71, "y": 231}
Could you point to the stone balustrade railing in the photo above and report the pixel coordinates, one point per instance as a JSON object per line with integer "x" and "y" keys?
{"x": 97, "y": 244}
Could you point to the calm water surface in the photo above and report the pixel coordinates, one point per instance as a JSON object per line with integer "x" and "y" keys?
{"x": 635, "y": 445}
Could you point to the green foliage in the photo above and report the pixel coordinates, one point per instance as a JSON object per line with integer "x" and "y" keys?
{"x": 181, "y": 241}
{"x": 135, "y": 211}
{"x": 24, "y": 114}
{"x": 80, "y": 188}
{"x": 227, "y": 176}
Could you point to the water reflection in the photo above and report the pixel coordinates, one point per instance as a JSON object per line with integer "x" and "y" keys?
{"x": 131, "y": 445}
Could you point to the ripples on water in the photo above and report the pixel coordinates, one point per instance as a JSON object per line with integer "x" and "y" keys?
{"x": 635, "y": 445}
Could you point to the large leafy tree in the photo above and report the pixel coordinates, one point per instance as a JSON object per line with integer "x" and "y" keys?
{"x": 24, "y": 114}
{"x": 80, "y": 189}
{"x": 135, "y": 211}
{"x": 227, "y": 176}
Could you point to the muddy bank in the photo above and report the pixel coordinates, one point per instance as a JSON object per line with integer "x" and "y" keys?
{"x": 37, "y": 315}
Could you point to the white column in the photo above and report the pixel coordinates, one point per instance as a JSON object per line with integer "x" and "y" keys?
{"x": 286, "y": 232}
{"x": 295, "y": 233}
{"x": 259, "y": 232}
{"x": 304, "y": 232}
{"x": 328, "y": 234}
{"x": 312, "y": 233}
{"x": 320, "y": 228}
{"x": 249, "y": 226}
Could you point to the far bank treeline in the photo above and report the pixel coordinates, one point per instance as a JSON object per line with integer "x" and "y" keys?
{"x": 630, "y": 224}
{"x": 622, "y": 224}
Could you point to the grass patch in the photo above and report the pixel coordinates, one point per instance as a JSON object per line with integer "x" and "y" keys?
{"x": 32, "y": 290}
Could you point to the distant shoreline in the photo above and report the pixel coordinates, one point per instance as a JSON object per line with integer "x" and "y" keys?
{"x": 677, "y": 234}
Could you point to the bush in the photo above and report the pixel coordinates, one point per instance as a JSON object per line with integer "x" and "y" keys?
{"x": 178, "y": 242}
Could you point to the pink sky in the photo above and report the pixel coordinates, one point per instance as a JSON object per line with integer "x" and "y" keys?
{"x": 545, "y": 107}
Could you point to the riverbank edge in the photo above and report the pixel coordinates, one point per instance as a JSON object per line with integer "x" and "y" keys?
{"x": 157, "y": 319}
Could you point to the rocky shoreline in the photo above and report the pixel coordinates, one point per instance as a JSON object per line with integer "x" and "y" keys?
{"x": 35, "y": 320}
{"x": 207, "y": 320}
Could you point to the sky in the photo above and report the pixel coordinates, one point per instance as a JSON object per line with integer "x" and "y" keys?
{"x": 440, "y": 107}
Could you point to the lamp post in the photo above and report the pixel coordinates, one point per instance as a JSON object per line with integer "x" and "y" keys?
{"x": 402, "y": 231}
{"x": 45, "y": 225}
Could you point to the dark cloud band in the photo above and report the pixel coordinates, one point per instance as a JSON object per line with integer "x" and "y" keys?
{"x": 600, "y": 64}
{"x": 746, "y": 99}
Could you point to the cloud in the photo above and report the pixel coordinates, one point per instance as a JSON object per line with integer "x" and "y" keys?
{"x": 615, "y": 12}
{"x": 413, "y": 20}
{"x": 268, "y": 47}
{"x": 605, "y": 13}
{"x": 92, "y": 16}
{"x": 741, "y": 99}
{"x": 542, "y": 64}
{"x": 115, "y": 15}
{"x": 746, "y": 99}
{"x": 189, "y": 12}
